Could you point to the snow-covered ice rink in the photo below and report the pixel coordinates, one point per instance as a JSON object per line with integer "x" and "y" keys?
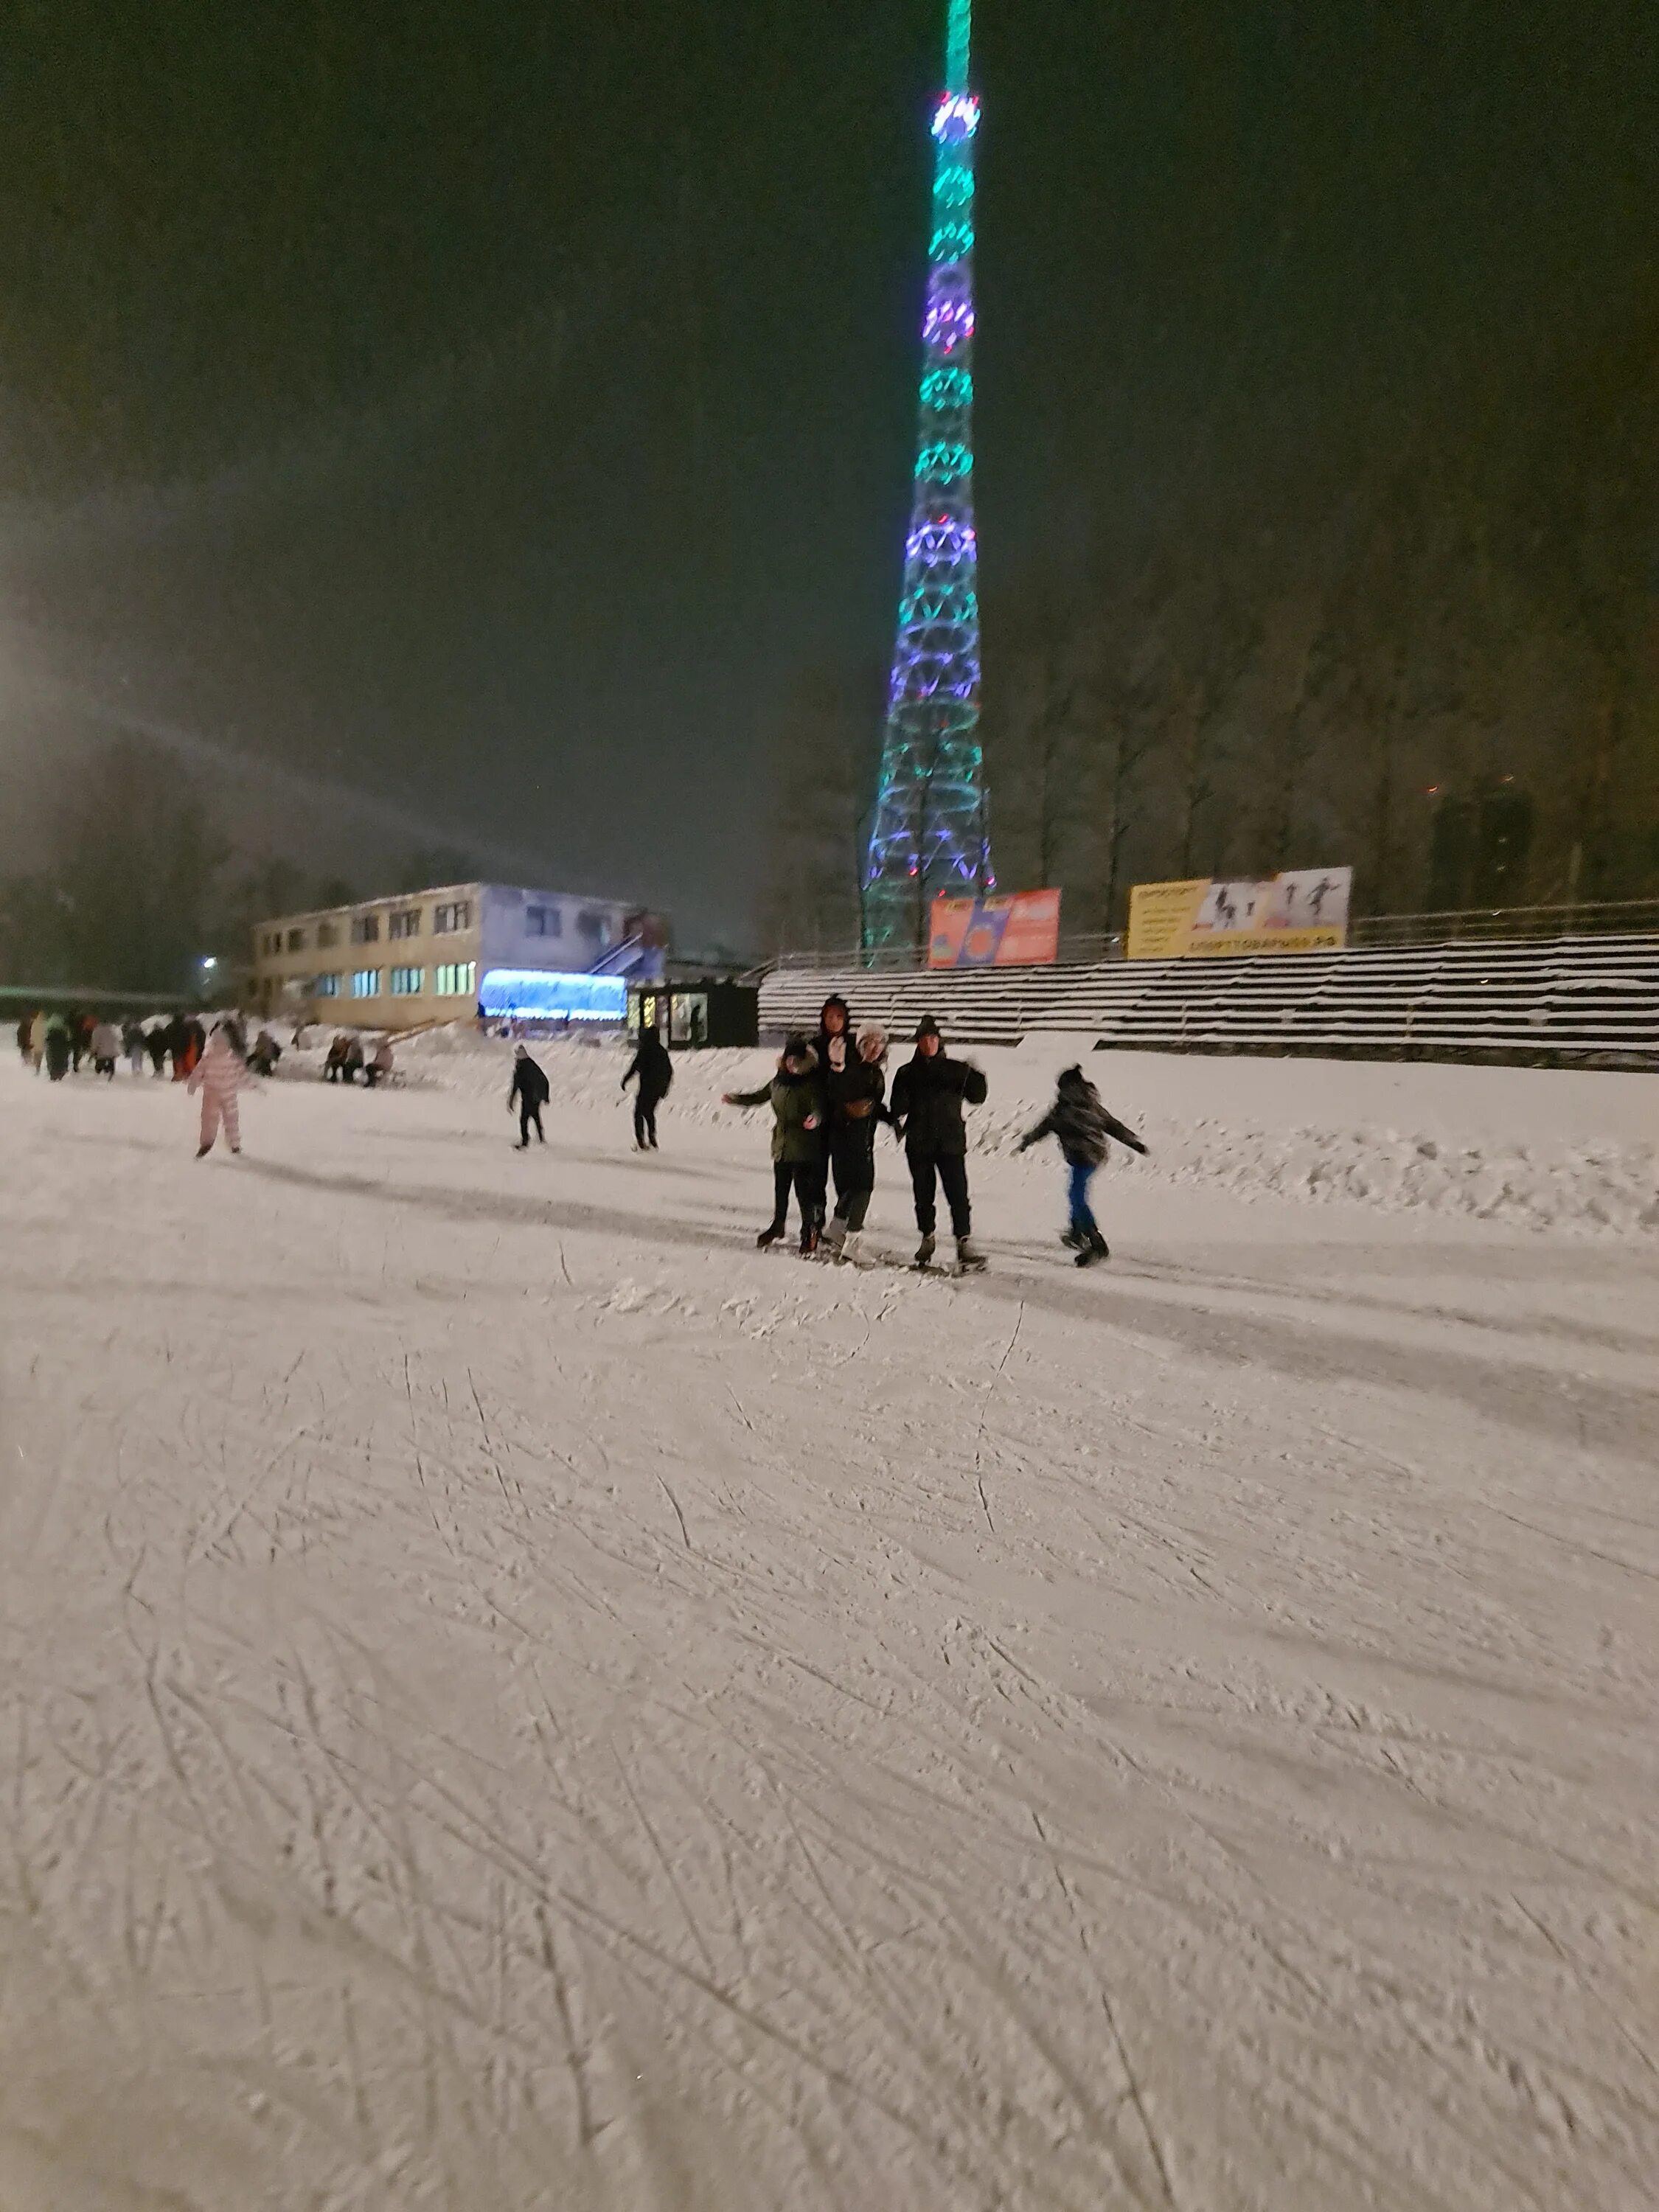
{"x": 513, "y": 1698}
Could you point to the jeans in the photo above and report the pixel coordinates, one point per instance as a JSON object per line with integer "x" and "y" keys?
{"x": 804, "y": 1178}
{"x": 951, "y": 1170}
{"x": 645, "y": 1118}
{"x": 1080, "y": 1174}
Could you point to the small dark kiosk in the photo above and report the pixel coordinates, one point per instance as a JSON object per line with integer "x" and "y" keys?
{"x": 706, "y": 1011}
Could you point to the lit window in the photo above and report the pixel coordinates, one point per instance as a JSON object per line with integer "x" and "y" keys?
{"x": 406, "y": 982}
{"x": 296, "y": 940}
{"x": 405, "y": 922}
{"x": 325, "y": 987}
{"x": 366, "y": 929}
{"x": 366, "y": 983}
{"x": 457, "y": 979}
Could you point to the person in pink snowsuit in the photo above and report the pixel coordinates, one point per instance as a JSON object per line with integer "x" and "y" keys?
{"x": 218, "y": 1075}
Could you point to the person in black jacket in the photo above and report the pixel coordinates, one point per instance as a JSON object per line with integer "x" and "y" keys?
{"x": 654, "y": 1070}
{"x": 530, "y": 1091}
{"x": 854, "y": 1094}
{"x": 1083, "y": 1129}
{"x": 797, "y": 1103}
{"x": 929, "y": 1093}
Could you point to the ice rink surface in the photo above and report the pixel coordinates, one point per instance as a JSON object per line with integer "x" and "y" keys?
{"x": 513, "y": 1698}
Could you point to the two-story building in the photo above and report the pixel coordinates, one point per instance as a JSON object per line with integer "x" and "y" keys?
{"x": 441, "y": 954}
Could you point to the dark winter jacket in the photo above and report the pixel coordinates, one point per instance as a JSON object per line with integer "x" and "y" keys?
{"x": 1080, "y": 1123}
{"x": 794, "y": 1100}
{"x": 928, "y": 1096}
{"x": 854, "y": 1096}
{"x": 654, "y": 1066}
{"x": 529, "y": 1081}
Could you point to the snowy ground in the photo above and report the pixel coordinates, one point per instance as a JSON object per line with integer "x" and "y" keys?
{"x": 513, "y": 1698}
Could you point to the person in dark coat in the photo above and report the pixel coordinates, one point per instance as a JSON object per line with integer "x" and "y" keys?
{"x": 79, "y": 1038}
{"x": 653, "y": 1067}
{"x": 155, "y": 1041}
{"x": 1084, "y": 1129}
{"x": 797, "y": 1150}
{"x": 834, "y": 1045}
{"x": 59, "y": 1044}
{"x": 530, "y": 1093}
{"x": 929, "y": 1092}
{"x": 854, "y": 1096}
{"x": 24, "y": 1049}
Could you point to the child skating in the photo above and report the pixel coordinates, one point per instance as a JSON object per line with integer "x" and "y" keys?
{"x": 797, "y": 1151}
{"x": 219, "y": 1075}
{"x": 1083, "y": 1129}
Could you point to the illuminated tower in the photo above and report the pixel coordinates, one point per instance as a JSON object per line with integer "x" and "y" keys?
{"x": 930, "y": 835}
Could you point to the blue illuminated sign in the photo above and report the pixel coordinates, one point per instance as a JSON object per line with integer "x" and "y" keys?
{"x": 542, "y": 995}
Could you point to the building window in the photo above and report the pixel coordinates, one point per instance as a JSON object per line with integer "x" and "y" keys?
{"x": 458, "y": 979}
{"x": 408, "y": 982}
{"x": 296, "y": 940}
{"x": 446, "y": 920}
{"x": 325, "y": 987}
{"x": 365, "y": 928}
{"x": 366, "y": 983}
{"x": 327, "y": 934}
{"x": 273, "y": 942}
{"x": 405, "y": 922}
{"x": 543, "y": 921}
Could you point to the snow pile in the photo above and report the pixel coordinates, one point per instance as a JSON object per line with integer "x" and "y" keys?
{"x": 1538, "y": 1148}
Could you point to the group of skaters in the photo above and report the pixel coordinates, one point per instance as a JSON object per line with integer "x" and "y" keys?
{"x": 828, "y": 1097}
{"x": 58, "y": 1044}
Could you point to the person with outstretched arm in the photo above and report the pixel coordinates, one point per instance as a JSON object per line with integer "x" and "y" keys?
{"x": 1084, "y": 1130}
{"x": 929, "y": 1092}
{"x": 797, "y": 1104}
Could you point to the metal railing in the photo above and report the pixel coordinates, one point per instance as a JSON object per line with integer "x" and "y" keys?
{"x": 1600, "y": 918}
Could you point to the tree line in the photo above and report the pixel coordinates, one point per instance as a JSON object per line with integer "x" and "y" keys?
{"x": 139, "y": 880}
{"x": 1430, "y": 652}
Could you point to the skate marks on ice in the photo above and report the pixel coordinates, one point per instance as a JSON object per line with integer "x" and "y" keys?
{"x": 577, "y": 1741}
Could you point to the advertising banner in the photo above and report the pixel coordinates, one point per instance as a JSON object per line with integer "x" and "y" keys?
{"x": 1304, "y": 910}
{"x": 1008, "y": 929}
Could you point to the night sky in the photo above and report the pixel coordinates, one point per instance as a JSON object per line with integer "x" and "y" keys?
{"x": 493, "y": 410}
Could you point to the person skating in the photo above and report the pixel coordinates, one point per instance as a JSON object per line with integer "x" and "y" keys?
{"x": 24, "y": 1026}
{"x": 219, "y": 1075}
{"x": 929, "y": 1092}
{"x": 38, "y": 1040}
{"x": 1084, "y": 1129}
{"x": 854, "y": 1099}
{"x": 833, "y": 1043}
{"x": 797, "y": 1152}
{"x": 530, "y": 1093}
{"x": 265, "y": 1053}
{"x": 57, "y": 1047}
{"x": 653, "y": 1067}
{"x": 80, "y": 1038}
{"x": 352, "y": 1065}
{"x": 155, "y": 1041}
{"x": 106, "y": 1048}
{"x": 132, "y": 1044}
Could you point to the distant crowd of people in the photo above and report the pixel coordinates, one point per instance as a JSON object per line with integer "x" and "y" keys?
{"x": 828, "y": 1097}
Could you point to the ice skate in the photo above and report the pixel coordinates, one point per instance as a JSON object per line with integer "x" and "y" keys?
{"x": 1094, "y": 1248}
{"x": 809, "y": 1239}
{"x": 201, "y": 1150}
{"x": 851, "y": 1246}
{"x": 925, "y": 1251}
{"x": 1072, "y": 1239}
{"x": 970, "y": 1258}
{"x": 834, "y": 1235}
{"x": 769, "y": 1235}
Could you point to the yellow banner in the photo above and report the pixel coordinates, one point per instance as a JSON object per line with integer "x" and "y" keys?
{"x": 1306, "y": 910}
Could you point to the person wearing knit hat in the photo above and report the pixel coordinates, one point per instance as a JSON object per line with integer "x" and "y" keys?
{"x": 929, "y": 1093}
{"x": 854, "y": 1092}
{"x": 797, "y": 1148}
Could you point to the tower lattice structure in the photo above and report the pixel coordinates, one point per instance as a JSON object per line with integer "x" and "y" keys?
{"x": 929, "y": 834}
